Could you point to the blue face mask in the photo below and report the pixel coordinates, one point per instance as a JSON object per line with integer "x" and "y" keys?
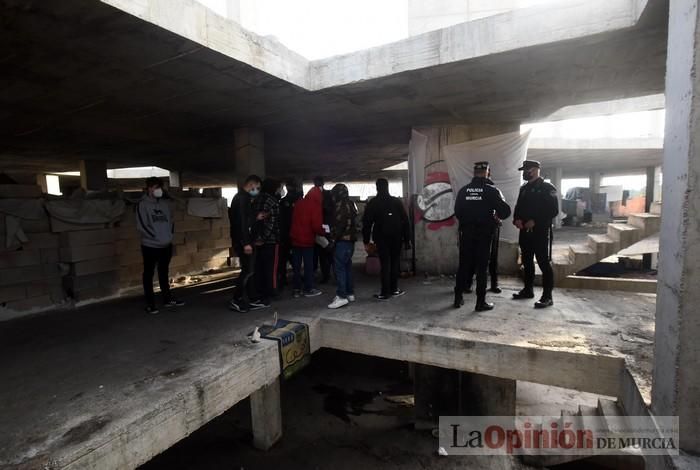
{"x": 254, "y": 192}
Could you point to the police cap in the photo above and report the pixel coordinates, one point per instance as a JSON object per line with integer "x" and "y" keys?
{"x": 481, "y": 166}
{"x": 527, "y": 164}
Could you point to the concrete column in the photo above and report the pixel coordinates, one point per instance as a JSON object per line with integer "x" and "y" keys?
{"x": 676, "y": 379}
{"x": 556, "y": 178}
{"x": 93, "y": 175}
{"x": 250, "y": 153}
{"x": 42, "y": 183}
{"x": 444, "y": 392}
{"x": 594, "y": 182}
{"x": 266, "y": 415}
{"x": 651, "y": 186}
{"x": 175, "y": 179}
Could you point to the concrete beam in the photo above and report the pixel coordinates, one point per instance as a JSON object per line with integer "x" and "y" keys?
{"x": 595, "y": 374}
{"x": 266, "y": 415}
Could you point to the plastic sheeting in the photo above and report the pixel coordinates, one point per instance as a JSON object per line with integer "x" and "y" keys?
{"x": 417, "y": 151}
{"x": 505, "y": 153}
{"x": 207, "y": 207}
{"x": 86, "y": 211}
{"x": 16, "y": 210}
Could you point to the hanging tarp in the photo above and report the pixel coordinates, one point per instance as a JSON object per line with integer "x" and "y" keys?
{"x": 417, "y": 151}
{"x": 86, "y": 211}
{"x": 505, "y": 153}
{"x": 210, "y": 207}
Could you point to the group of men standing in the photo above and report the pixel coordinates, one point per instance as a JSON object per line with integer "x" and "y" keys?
{"x": 480, "y": 209}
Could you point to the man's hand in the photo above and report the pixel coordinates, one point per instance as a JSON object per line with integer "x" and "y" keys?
{"x": 518, "y": 223}
{"x": 248, "y": 249}
{"x": 262, "y": 215}
{"x": 367, "y": 247}
{"x": 529, "y": 224}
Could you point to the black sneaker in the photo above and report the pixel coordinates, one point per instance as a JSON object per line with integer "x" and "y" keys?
{"x": 237, "y": 306}
{"x": 398, "y": 293}
{"x": 495, "y": 289}
{"x": 524, "y": 294}
{"x": 381, "y": 297}
{"x": 459, "y": 301}
{"x": 483, "y": 306}
{"x": 151, "y": 310}
{"x": 172, "y": 303}
{"x": 258, "y": 304}
{"x": 544, "y": 303}
{"x": 296, "y": 293}
{"x": 312, "y": 293}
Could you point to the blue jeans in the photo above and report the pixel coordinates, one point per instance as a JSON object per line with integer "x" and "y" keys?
{"x": 343, "y": 268}
{"x": 305, "y": 255}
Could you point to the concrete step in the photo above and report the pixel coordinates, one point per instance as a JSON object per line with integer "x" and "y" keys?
{"x": 582, "y": 256}
{"x": 603, "y": 245}
{"x": 615, "y": 418}
{"x": 648, "y": 223}
{"x": 647, "y": 286}
{"x": 624, "y": 234}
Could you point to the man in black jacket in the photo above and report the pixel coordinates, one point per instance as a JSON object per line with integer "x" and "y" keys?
{"x": 385, "y": 221}
{"x": 294, "y": 193}
{"x": 537, "y": 205}
{"x": 478, "y": 207}
{"x": 242, "y": 222}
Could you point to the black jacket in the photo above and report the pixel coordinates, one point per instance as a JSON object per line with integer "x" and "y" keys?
{"x": 478, "y": 203}
{"x": 385, "y": 218}
{"x": 286, "y": 210}
{"x": 241, "y": 216}
{"x": 537, "y": 201}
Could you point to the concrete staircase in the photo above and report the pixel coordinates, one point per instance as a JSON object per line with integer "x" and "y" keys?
{"x": 600, "y": 246}
{"x": 589, "y": 417}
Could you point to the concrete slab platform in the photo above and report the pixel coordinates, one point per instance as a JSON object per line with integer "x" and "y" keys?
{"x": 108, "y": 386}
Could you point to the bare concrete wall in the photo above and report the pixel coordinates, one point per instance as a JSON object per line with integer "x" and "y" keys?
{"x": 676, "y": 386}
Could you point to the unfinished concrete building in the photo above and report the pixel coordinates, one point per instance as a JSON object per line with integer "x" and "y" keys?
{"x": 89, "y": 85}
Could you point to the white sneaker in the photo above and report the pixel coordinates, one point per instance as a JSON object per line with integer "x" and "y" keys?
{"x": 338, "y": 302}
{"x": 351, "y": 298}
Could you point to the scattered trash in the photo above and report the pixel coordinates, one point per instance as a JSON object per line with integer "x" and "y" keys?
{"x": 255, "y": 337}
{"x": 442, "y": 452}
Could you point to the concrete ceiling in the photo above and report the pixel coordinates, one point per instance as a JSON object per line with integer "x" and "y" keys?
{"x": 82, "y": 79}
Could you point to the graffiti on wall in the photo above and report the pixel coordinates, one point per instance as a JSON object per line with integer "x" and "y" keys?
{"x": 436, "y": 202}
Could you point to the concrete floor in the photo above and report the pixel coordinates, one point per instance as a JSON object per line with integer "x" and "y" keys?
{"x": 73, "y": 381}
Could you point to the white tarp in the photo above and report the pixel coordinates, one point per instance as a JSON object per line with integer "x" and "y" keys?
{"x": 417, "y": 151}
{"x": 505, "y": 153}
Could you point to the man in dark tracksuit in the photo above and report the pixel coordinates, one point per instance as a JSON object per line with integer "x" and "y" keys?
{"x": 294, "y": 193}
{"x": 537, "y": 205}
{"x": 322, "y": 256}
{"x": 266, "y": 208}
{"x": 242, "y": 221}
{"x": 155, "y": 223}
{"x": 477, "y": 207}
{"x": 493, "y": 259}
{"x": 385, "y": 221}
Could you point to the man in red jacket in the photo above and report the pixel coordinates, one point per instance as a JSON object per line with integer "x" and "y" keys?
{"x": 307, "y": 223}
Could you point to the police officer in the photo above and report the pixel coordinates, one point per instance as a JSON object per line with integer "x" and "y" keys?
{"x": 536, "y": 207}
{"x": 477, "y": 206}
{"x": 493, "y": 260}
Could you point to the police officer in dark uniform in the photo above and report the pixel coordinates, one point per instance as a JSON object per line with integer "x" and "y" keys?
{"x": 476, "y": 207}
{"x": 493, "y": 260}
{"x": 537, "y": 205}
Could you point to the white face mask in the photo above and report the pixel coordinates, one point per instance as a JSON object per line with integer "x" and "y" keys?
{"x": 254, "y": 192}
{"x": 158, "y": 193}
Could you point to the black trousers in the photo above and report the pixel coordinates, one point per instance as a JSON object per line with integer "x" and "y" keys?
{"x": 535, "y": 245}
{"x": 493, "y": 262}
{"x": 474, "y": 253}
{"x": 266, "y": 267}
{"x": 389, "y": 251}
{"x": 324, "y": 259}
{"x": 153, "y": 257}
{"x": 285, "y": 254}
{"x": 244, "y": 284}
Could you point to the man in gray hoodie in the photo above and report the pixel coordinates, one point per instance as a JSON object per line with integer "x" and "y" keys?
{"x": 155, "y": 223}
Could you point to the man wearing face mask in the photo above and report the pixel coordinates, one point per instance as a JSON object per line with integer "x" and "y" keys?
{"x": 536, "y": 207}
{"x": 242, "y": 222}
{"x": 155, "y": 223}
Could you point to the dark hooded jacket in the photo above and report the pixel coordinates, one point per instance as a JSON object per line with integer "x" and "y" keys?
{"x": 344, "y": 224}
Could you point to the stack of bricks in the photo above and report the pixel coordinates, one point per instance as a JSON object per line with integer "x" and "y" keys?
{"x": 91, "y": 261}
{"x": 30, "y": 273}
{"x": 199, "y": 244}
